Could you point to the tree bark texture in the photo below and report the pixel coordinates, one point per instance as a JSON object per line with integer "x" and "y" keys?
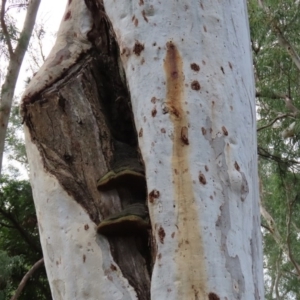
{"x": 165, "y": 89}
{"x": 78, "y": 148}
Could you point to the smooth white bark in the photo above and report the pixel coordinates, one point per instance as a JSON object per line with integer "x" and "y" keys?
{"x": 205, "y": 212}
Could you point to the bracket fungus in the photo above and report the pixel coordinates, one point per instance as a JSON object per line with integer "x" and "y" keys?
{"x": 130, "y": 174}
{"x": 133, "y": 219}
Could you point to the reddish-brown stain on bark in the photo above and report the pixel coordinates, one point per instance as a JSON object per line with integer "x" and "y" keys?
{"x": 195, "y": 85}
{"x": 225, "y": 132}
{"x": 195, "y": 67}
{"x": 161, "y": 234}
{"x": 144, "y": 16}
{"x": 153, "y": 100}
{"x": 236, "y": 165}
{"x": 68, "y": 16}
{"x": 184, "y": 135}
{"x": 154, "y": 112}
{"x": 213, "y": 296}
{"x": 138, "y": 48}
{"x": 141, "y": 132}
{"x": 189, "y": 242}
{"x": 154, "y": 194}
{"x": 202, "y": 178}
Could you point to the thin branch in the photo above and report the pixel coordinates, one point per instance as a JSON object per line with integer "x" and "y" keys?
{"x": 278, "y": 275}
{"x": 22, "y": 232}
{"x": 295, "y": 227}
{"x": 266, "y": 227}
{"x": 24, "y": 280}
{"x": 288, "y": 101}
{"x": 272, "y": 287}
{"x": 273, "y": 121}
{"x": 271, "y": 95}
{"x": 16, "y": 6}
{"x": 40, "y": 43}
{"x": 283, "y": 41}
{"x": 288, "y": 232}
{"x": 272, "y": 227}
{"x": 286, "y": 44}
{"x": 277, "y": 237}
{"x": 290, "y": 106}
{"x": 5, "y": 31}
{"x": 8, "y": 87}
{"x": 28, "y": 28}
{"x": 7, "y": 226}
{"x": 264, "y": 153}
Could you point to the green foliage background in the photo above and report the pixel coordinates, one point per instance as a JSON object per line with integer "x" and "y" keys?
{"x": 19, "y": 241}
{"x": 278, "y": 77}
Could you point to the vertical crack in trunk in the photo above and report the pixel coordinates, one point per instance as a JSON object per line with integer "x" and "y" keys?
{"x": 83, "y": 127}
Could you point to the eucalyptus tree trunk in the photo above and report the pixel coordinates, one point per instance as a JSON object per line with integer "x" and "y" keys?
{"x": 147, "y": 102}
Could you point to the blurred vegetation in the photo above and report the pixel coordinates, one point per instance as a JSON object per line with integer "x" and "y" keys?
{"x": 274, "y": 29}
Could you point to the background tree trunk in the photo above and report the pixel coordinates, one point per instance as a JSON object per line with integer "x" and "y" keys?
{"x": 16, "y": 58}
{"x": 185, "y": 71}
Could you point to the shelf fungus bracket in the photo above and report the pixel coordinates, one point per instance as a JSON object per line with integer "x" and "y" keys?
{"x": 130, "y": 177}
{"x": 133, "y": 219}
